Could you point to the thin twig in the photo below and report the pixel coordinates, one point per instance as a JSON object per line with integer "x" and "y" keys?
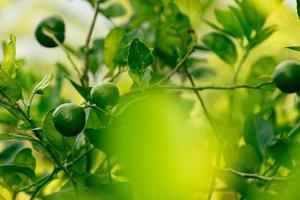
{"x": 84, "y": 76}
{"x": 65, "y": 50}
{"x": 254, "y": 176}
{"x": 177, "y": 67}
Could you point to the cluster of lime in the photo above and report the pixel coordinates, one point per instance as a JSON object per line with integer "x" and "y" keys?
{"x": 69, "y": 119}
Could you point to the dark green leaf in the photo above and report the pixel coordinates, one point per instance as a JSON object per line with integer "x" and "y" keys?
{"x": 14, "y": 137}
{"x": 54, "y": 137}
{"x": 254, "y": 13}
{"x": 202, "y": 72}
{"x": 243, "y": 22}
{"x": 98, "y": 137}
{"x": 295, "y": 48}
{"x": 221, "y": 46}
{"x": 263, "y": 35}
{"x": 230, "y": 22}
{"x": 114, "y": 10}
{"x": 96, "y": 119}
{"x": 9, "y": 152}
{"x": 298, "y": 8}
{"x": 139, "y": 58}
{"x": 258, "y": 133}
{"x": 174, "y": 37}
{"x": 83, "y": 91}
{"x": 24, "y": 158}
{"x": 11, "y": 168}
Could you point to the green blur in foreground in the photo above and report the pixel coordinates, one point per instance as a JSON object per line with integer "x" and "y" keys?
{"x": 158, "y": 148}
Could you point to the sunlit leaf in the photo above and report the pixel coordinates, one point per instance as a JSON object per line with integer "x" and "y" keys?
{"x": 114, "y": 10}
{"x": 173, "y": 35}
{"x": 45, "y": 82}
{"x": 9, "y": 64}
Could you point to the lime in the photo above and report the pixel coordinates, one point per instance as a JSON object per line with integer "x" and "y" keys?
{"x": 55, "y": 26}
{"x": 287, "y": 76}
{"x": 69, "y": 119}
{"x": 105, "y": 95}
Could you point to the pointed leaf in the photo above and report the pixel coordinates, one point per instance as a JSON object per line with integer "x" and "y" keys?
{"x": 140, "y": 56}
{"x": 9, "y": 61}
{"x": 9, "y": 88}
{"x": 83, "y": 91}
{"x": 222, "y": 46}
{"x": 45, "y": 82}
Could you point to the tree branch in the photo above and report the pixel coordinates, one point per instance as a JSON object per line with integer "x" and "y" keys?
{"x": 233, "y": 87}
{"x": 253, "y": 176}
{"x": 84, "y": 77}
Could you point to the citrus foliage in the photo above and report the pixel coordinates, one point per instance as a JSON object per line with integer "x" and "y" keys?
{"x": 147, "y": 143}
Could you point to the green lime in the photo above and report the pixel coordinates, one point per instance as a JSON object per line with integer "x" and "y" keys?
{"x": 69, "y": 119}
{"x": 105, "y": 95}
{"x": 55, "y": 26}
{"x": 287, "y": 76}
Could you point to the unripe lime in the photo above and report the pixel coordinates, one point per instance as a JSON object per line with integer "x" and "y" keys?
{"x": 69, "y": 119}
{"x": 55, "y": 26}
{"x": 105, "y": 95}
{"x": 287, "y": 76}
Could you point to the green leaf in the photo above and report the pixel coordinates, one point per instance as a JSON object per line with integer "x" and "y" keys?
{"x": 258, "y": 133}
{"x": 230, "y": 23}
{"x": 9, "y": 152}
{"x": 9, "y": 64}
{"x": 83, "y": 91}
{"x": 243, "y": 22}
{"x": 139, "y": 58}
{"x": 9, "y": 88}
{"x": 98, "y": 137}
{"x": 222, "y": 46}
{"x": 54, "y": 137}
{"x": 191, "y": 8}
{"x": 96, "y": 119}
{"x": 116, "y": 47}
{"x": 254, "y": 13}
{"x": 298, "y": 8}
{"x": 262, "y": 69}
{"x": 295, "y": 48}
{"x": 14, "y": 137}
{"x": 114, "y": 10}
{"x": 202, "y": 72}
{"x": 11, "y": 168}
{"x": 174, "y": 37}
{"x": 24, "y": 158}
{"x": 45, "y": 82}
{"x": 263, "y": 35}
